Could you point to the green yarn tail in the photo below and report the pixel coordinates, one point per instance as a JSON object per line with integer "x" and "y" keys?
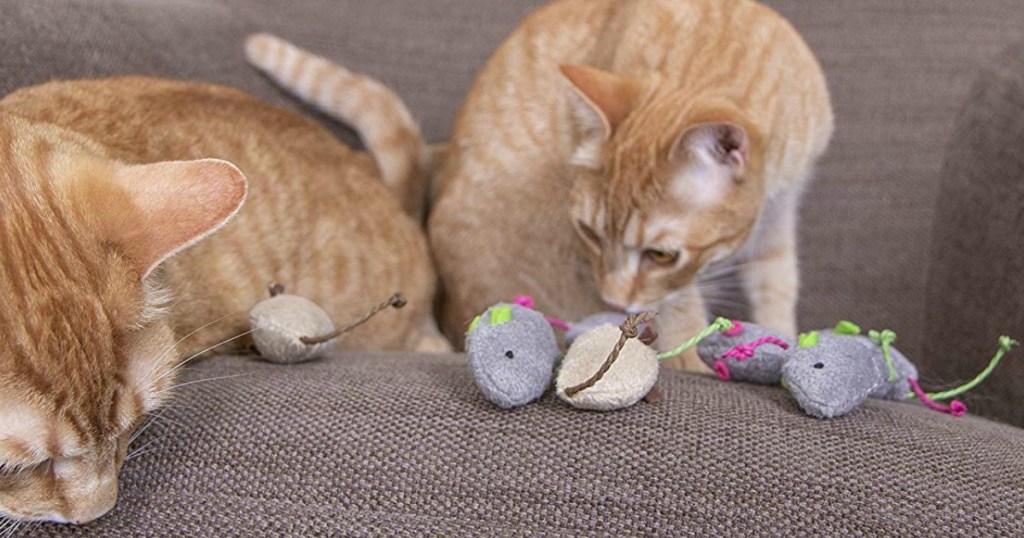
{"x": 885, "y": 339}
{"x": 1005, "y": 343}
{"x": 720, "y": 324}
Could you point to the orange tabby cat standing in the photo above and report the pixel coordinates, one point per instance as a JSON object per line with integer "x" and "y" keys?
{"x": 103, "y": 185}
{"x": 611, "y": 150}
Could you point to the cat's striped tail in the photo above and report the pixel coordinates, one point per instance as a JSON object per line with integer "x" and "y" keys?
{"x": 382, "y": 120}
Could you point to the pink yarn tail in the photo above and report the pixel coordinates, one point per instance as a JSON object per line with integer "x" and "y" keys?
{"x": 955, "y": 408}
{"x": 527, "y": 302}
{"x": 743, "y": 352}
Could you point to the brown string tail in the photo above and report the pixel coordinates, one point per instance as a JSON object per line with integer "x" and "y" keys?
{"x": 397, "y": 301}
{"x": 629, "y": 330}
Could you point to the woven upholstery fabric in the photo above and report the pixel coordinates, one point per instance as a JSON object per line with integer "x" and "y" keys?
{"x": 978, "y": 246}
{"x": 405, "y": 445}
{"x": 898, "y": 73}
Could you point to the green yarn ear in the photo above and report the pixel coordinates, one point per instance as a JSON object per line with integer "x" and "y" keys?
{"x": 501, "y": 314}
{"x": 847, "y": 327}
{"x": 476, "y": 321}
{"x": 808, "y": 339}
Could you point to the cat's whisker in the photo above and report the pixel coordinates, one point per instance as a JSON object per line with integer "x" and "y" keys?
{"x": 728, "y": 286}
{"x": 10, "y": 527}
{"x": 727, "y": 267}
{"x": 143, "y": 447}
{"x": 149, "y": 422}
{"x": 719, "y": 275}
{"x": 728, "y": 274}
{"x": 141, "y": 453}
{"x": 194, "y": 381}
{"x": 159, "y": 359}
{"x": 180, "y": 365}
{"x": 725, "y": 304}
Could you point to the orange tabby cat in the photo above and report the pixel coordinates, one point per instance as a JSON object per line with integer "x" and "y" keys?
{"x": 611, "y": 150}
{"x": 104, "y": 188}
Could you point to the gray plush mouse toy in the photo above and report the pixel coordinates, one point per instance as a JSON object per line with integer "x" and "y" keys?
{"x": 829, "y": 373}
{"x": 512, "y": 353}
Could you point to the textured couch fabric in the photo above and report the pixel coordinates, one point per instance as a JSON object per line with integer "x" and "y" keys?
{"x": 405, "y": 445}
{"x": 977, "y": 278}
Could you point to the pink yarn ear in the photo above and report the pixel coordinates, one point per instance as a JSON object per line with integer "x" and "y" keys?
{"x": 523, "y": 300}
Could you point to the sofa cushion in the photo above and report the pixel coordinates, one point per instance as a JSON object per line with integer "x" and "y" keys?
{"x": 403, "y": 445}
{"x": 978, "y": 245}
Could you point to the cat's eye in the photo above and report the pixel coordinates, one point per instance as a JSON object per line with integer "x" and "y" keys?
{"x": 589, "y": 235}
{"x": 661, "y": 257}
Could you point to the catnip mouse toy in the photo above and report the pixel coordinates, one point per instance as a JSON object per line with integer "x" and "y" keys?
{"x": 512, "y": 353}
{"x": 591, "y": 377}
{"x": 830, "y": 373}
{"x": 289, "y": 329}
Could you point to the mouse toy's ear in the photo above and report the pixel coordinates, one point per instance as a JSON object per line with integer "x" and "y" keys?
{"x": 163, "y": 208}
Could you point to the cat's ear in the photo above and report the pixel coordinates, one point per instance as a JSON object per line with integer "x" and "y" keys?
{"x": 175, "y": 205}
{"x": 602, "y": 99}
{"x": 723, "y": 145}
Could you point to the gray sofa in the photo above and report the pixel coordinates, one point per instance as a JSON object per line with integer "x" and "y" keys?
{"x": 914, "y": 224}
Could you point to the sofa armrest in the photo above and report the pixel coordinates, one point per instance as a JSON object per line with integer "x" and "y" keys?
{"x": 976, "y": 283}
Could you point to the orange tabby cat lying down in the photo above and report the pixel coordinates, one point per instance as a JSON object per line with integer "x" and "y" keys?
{"x": 103, "y": 186}
{"x": 611, "y": 150}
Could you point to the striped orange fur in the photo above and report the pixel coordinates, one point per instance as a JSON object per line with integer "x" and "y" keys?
{"x": 611, "y": 151}
{"x": 381, "y": 118}
{"x": 108, "y": 279}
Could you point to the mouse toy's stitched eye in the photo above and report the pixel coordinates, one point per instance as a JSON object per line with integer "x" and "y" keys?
{"x": 510, "y": 355}
{"x": 819, "y": 365}
{"x": 661, "y": 257}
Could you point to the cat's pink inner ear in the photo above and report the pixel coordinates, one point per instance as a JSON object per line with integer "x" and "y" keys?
{"x": 725, "y": 144}
{"x": 179, "y": 204}
{"x": 609, "y": 96}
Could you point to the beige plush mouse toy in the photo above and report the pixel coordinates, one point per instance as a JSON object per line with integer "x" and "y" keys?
{"x": 289, "y": 329}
